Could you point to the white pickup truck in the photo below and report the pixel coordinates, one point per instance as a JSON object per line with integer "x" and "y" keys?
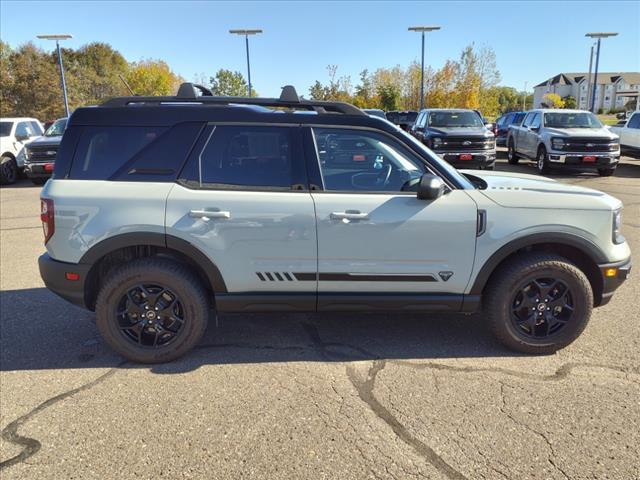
{"x": 15, "y": 133}
{"x": 629, "y": 133}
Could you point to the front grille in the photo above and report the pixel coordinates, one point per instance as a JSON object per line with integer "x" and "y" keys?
{"x": 590, "y": 145}
{"x": 463, "y": 144}
{"x": 42, "y": 154}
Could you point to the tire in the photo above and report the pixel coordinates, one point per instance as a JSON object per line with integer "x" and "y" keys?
{"x": 505, "y": 303}
{"x": 135, "y": 338}
{"x": 512, "y": 156}
{"x": 39, "y": 181}
{"x": 542, "y": 164}
{"x": 489, "y": 167}
{"x": 606, "y": 172}
{"x": 8, "y": 171}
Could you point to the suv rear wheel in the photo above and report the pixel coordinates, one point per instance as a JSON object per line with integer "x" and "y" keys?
{"x": 512, "y": 156}
{"x": 8, "y": 171}
{"x": 152, "y": 310}
{"x": 538, "y": 303}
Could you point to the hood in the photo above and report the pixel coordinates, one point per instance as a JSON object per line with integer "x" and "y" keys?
{"x": 46, "y": 141}
{"x": 515, "y": 190}
{"x": 461, "y": 131}
{"x": 582, "y": 132}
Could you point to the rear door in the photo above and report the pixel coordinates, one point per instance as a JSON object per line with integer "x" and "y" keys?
{"x": 241, "y": 200}
{"x": 375, "y": 238}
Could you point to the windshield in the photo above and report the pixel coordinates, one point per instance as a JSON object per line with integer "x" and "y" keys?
{"x": 5, "y": 128}
{"x": 571, "y": 120}
{"x": 454, "y": 119}
{"x": 451, "y": 171}
{"x": 57, "y": 129}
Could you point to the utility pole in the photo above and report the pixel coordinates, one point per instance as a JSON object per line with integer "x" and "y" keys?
{"x": 599, "y": 36}
{"x": 422, "y": 30}
{"x": 246, "y": 34}
{"x": 57, "y": 38}
{"x": 589, "y": 81}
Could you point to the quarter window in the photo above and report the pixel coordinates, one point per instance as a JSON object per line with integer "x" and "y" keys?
{"x": 247, "y": 156}
{"x": 363, "y": 161}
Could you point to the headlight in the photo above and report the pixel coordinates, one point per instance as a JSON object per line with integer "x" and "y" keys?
{"x": 557, "y": 143}
{"x": 617, "y": 236}
{"x": 614, "y": 146}
{"x": 490, "y": 143}
{"x": 436, "y": 142}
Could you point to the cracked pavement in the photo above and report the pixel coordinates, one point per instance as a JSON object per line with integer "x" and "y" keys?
{"x": 313, "y": 396}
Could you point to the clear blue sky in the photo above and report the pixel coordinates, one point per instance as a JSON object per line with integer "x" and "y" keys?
{"x": 532, "y": 40}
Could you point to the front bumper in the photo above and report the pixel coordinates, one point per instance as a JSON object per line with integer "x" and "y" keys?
{"x": 613, "y": 275}
{"x": 483, "y": 158}
{"x": 576, "y": 159}
{"x": 38, "y": 170}
{"x": 54, "y": 273}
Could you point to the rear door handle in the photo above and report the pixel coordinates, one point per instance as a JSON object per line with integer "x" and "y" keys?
{"x": 349, "y": 215}
{"x": 209, "y": 214}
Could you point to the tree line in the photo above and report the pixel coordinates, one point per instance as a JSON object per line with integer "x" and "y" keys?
{"x": 471, "y": 81}
{"x": 30, "y": 82}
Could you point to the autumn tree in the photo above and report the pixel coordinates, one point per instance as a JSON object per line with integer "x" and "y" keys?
{"x": 152, "y": 77}
{"x": 552, "y": 100}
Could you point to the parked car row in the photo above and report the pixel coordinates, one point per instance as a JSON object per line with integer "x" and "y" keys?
{"x": 26, "y": 148}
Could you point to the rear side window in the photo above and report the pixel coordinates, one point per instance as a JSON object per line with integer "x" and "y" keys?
{"x": 634, "y": 121}
{"x": 517, "y": 120}
{"x": 247, "y": 156}
{"x": 103, "y": 150}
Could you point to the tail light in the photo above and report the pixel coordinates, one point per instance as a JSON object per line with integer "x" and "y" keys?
{"x": 48, "y": 220}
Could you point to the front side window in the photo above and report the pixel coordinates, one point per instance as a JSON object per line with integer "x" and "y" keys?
{"x": 634, "y": 121}
{"x": 454, "y": 119}
{"x": 364, "y": 161}
{"x": 247, "y": 156}
{"x": 535, "y": 121}
{"x": 571, "y": 120}
{"x": 5, "y": 129}
{"x": 57, "y": 129}
{"x": 36, "y": 128}
{"x": 24, "y": 130}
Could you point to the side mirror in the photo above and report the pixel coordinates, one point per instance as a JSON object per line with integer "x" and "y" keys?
{"x": 430, "y": 187}
{"x": 489, "y": 126}
{"x": 534, "y": 129}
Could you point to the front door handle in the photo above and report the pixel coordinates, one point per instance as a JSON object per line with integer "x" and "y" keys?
{"x": 350, "y": 215}
{"x": 209, "y": 214}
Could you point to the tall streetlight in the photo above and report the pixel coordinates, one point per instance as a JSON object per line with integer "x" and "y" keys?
{"x": 246, "y": 34}
{"x": 57, "y": 38}
{"x": 599, "y": 36}
{"x": 422, "y": 30}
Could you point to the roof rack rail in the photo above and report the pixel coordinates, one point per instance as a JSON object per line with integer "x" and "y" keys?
{"x": 187, "y": 93}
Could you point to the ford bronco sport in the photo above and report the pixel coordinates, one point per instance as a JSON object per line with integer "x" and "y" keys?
{"x": 161, "y": 209}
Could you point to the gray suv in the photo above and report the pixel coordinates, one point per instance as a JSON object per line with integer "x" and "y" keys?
{"x": 162, "y": 209}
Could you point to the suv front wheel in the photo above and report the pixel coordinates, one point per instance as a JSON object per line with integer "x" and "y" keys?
{"x": 152, "y": 310}
{"x": 538, "y": 303}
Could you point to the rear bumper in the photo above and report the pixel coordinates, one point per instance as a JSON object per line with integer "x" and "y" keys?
{"x": 610, "y": 283}
{"x": 53, "y": 274}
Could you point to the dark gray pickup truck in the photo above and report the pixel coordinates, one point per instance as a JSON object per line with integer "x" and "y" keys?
{"x": 555, "y": 139}
{"x": 458, "y": 136}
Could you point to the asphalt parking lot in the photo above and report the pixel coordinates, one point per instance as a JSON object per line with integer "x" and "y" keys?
{"x": 314, "y": 396}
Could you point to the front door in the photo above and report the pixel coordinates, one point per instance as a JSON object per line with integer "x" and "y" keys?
{"x": 240, "y": 203}
{"x": 375, "y": 237}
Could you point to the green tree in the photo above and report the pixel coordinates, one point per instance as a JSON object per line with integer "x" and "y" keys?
{"x": 229, "y": 84}
{"x": 389, "y": 96}
{"x": 152, "y": 77}
{"x": 93, "y": 73}
{"x": 570, "y": 102}
{"x": 318, "y": 91}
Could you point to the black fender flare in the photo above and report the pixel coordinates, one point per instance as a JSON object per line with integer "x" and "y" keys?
{"x": 571, "y": 240}
{"x": 108, "y": 245}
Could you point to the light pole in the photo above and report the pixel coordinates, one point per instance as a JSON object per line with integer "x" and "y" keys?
{"x": 599, "y": 36}
{"x": 589, "y": 79}
{"x": 524, "y": 98}
{"x": 246, "y": 34}
{"x": 422, "y": 30}
{"x": 57, "y": 38}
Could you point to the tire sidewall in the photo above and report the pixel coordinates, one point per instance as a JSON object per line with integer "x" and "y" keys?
{"x": 8, "y": 164}
{"x": 541, "y": 160}
{"x": 572, "y": 329}
{"x": 117, "y": 286}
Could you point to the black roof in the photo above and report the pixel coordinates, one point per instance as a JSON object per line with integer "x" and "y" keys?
{"x": 187, "y": 106}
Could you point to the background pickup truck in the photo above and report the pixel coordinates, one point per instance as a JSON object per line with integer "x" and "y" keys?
{"x": 564, "y": 139}
{"x": 629, "y": 133}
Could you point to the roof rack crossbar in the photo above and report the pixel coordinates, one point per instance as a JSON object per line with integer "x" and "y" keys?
{"x": 288, "y": 99}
